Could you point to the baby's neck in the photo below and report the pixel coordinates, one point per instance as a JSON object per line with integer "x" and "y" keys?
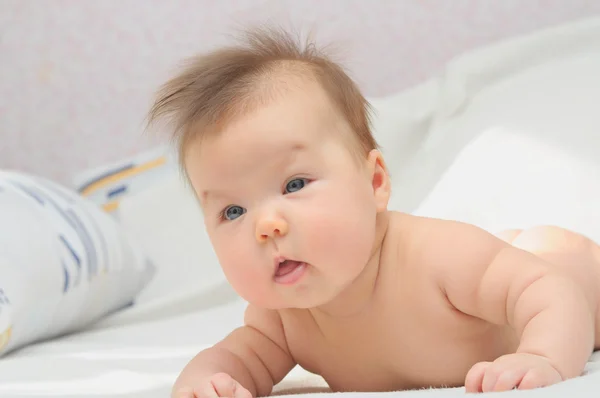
{"x": 357, "y": 297}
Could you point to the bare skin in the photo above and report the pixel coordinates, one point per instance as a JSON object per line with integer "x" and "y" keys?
{"x": 384, "y": 300}
{"x": 421, "y": 289}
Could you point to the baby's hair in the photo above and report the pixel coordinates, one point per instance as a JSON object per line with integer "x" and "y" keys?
{"x": 216, "y": 87}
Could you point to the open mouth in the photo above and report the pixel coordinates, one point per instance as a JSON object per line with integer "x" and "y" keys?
{"x": 288, "y": 271}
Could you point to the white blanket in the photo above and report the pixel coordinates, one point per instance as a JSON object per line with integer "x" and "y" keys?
{"x": 139, "y": 352}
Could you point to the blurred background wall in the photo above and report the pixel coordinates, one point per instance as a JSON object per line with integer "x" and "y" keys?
{"x": 77, "y": 76}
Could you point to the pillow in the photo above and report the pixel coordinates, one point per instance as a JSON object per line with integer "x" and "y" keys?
{"x": 63, "y": 262}
{"x": 107, "y": 185}
{"x": 508, "y": 179}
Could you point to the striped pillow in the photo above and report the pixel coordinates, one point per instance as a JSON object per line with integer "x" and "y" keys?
{"x": 107, "y": 185}
{"x": 64, "y": 263}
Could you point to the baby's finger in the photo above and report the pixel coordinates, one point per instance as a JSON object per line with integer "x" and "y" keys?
{"x": 490, "y": 378}
{"x": 184, "y": 392}
{"x": 474, "y": 378}
{"x": 224, "y": 385}
{"x": 509, "y": 379}
{"x": 241, "y": 392}
{"x": 531, "y": 380}
{"x": 206, "y": 391}
{"x": 536, "y": 378}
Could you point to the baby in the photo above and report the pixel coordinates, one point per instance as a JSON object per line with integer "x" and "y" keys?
{"x": 275, "y": 140}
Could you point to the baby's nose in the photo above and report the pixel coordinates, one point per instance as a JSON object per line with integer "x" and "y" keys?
{"x": 270, "y": 227}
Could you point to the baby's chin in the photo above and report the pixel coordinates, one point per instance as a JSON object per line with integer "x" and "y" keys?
{"x": 294, "y": 300}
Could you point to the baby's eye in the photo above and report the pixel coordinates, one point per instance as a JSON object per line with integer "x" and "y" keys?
{"x": 295, "y": 185}
{"x": 232, "y": 212}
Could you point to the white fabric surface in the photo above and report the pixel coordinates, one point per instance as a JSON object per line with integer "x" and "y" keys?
{"x": 141, "y": 360}
{"x": 63, "y": 262}
{"x": 139, "y": 352}
{"x": 546, "y": 86}
{"x": 507, "y": 179}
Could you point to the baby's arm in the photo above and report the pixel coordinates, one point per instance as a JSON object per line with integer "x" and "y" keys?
{"x": 485, "y": 277}
{"x": 255, "y": 356}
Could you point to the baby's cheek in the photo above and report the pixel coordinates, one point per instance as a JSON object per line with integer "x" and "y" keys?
{"x": 342, "y": 230}
{"x": 242, "y": 281}
{"x": 245, "y": 277}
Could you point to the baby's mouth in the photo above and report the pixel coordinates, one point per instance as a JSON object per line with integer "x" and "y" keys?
{"x": 288, "y": 271}
{"x": 286, "y": 267}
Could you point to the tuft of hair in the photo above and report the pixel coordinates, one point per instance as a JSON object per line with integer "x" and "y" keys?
{"x": 216, "y": 87}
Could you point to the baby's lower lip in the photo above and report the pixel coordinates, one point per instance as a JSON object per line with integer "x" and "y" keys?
{"x": 292, "y": 276}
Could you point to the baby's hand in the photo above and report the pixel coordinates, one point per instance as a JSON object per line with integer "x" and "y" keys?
{"x": 217, "y": 386}
{"x": 522, "y": 371}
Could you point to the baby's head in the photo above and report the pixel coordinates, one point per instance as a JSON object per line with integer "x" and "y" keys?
{"x": 275, "y": 141}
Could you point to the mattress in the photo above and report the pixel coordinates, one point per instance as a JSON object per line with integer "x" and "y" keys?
{"x": 139, "y": 351}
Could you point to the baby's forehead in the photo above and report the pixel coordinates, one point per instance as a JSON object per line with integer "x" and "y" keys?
{"x": 301, "y": 121}
{"x": 295, "y": 121}
{"x": 223, "y": 176}
{"x": 235, "y": 158}
{"x": 222, "y": 161}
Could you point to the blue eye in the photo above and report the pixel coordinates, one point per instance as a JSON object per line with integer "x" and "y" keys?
{"x": 295, "y": 185}
{"x": 233, "y": 212}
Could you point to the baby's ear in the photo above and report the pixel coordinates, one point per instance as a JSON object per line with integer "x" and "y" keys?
{"x": 379, "y": 179}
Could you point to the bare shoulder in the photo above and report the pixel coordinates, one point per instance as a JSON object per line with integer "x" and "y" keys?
{"x": 446, "y": 246}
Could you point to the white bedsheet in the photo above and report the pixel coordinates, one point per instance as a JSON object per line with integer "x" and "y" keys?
{"x": 139, "y": 352}
{"x": 142, "y": 359}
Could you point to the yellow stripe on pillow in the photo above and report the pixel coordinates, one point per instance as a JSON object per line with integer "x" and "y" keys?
{"x": 122, "y": 175}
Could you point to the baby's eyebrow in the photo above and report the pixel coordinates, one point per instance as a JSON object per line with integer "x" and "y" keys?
{"x": 297, "y": 147}
{"x": 204, "y": 197}
{"x": 208, "y": 194}
{"x": 292, "y": 150}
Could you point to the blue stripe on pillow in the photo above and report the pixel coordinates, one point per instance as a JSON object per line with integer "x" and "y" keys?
{"x": 28, "y": 192}
{"x": 71, "y": 250}
{"x": 66, "y": 274}
{"x": 116, "y": 191}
